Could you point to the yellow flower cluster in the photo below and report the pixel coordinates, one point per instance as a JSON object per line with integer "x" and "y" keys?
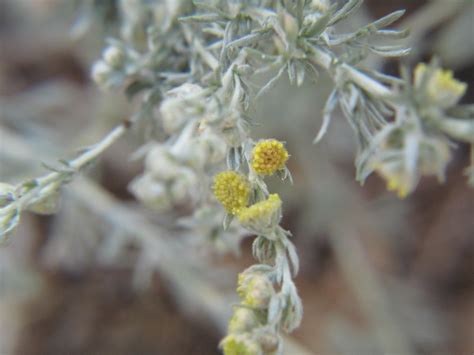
{"x": 442, "y": 88}
{"x": 232, "y": 190}
{"x": 269, "y": 156}
{"x": 262, "y": 211}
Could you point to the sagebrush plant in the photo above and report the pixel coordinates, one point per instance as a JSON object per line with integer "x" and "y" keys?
{"x": 198, "y": 68}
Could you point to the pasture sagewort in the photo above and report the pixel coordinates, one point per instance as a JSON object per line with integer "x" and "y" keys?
{"x": 198, "y": 69}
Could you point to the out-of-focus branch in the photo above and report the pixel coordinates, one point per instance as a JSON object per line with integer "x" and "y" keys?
{"x": 41, "y": 188}
{"x": 365, "y": 283}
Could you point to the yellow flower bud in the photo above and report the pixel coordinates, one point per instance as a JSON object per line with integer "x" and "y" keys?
{"x": 262, "y": 216}
{"x": 240, "y": 345}
{"x": 243, "y": 320}
{"x": 255, "y": 290}
{"x": 442, "y": 89}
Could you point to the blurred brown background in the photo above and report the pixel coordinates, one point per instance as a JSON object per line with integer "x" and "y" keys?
{"x": 378, "y": 273}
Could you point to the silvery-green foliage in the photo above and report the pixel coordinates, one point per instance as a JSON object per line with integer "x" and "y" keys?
{"x": 41, "y": 194}
{"x": 9, "y": 217}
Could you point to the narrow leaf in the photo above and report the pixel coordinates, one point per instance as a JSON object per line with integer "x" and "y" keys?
{"x": 394, "y": 34}
{"x": 387, "y": 20}
{"x": 345, "y": 11}
{"x": 227, "y": 221}
{"x": 390, "y": 51}
{"x": 327, "y": 114}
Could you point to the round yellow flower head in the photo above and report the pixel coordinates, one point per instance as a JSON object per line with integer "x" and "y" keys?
{"x": 232, "y": 190}
{"x": 262, "y": 215}
{"x": 269, "y": 156}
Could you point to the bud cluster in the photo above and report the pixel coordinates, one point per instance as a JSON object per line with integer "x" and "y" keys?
{"x": 166, "y": 182}
{"x": 233, "y": 189}
{"x": 262, "y": 312}
{"x": 171, "y": 176}
{"x": 248, "y": 331}
{"x": 417, "y": 142}
{"x": 117, "y": 63}
{"x": 438, "y": 86}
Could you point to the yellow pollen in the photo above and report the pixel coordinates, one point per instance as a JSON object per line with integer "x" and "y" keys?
{"x": 268, "y": 156}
